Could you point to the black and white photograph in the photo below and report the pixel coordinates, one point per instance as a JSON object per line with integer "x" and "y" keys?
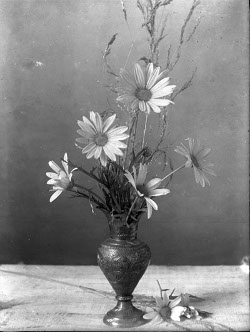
{"x": 124, "y": 165}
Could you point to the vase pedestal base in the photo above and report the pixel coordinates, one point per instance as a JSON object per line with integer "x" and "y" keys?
{"x": 124, "y": 315}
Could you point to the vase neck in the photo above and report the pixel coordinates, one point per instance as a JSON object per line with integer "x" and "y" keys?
{"x": 121, "y": 231}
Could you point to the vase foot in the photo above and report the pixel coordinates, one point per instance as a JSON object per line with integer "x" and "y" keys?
{"x": 124, "y": 315}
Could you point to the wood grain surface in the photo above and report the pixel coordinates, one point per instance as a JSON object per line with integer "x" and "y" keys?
{"x": 70, "y": 298}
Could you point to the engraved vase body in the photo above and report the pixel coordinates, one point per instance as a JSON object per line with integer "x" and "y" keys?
{"x": 123, "y": 259}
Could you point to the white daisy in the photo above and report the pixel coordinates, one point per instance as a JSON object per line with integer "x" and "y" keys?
{"x": 165, "y": 310}
{"x": 195, "y": 155}
{"x": 147, "y": 190}
{"x": 61, "y": 179}
{"x": 146, "y": 89}
{"x": 103, "y": 141}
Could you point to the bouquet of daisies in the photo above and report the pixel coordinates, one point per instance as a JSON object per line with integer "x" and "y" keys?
{"x": 122, "y": 153}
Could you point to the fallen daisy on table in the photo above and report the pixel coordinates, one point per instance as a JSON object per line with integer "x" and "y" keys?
{"x": 167, "y": 310}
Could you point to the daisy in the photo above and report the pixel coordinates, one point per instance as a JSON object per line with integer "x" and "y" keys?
{"x": 190, "y": 310}
{"x": 146, "y": 89}
{"x": 165, "y": 310}
{"x": 61, "y": 179}
{"x": 103, "y": 141}
{"x": 195, "y": 155}
{"x": 147, "y": 190}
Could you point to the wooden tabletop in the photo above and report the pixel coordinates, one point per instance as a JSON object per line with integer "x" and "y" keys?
{"x": 69, "y": 298}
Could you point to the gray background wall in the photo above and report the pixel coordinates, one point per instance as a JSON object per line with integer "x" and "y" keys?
{"x": 41, "y": 104}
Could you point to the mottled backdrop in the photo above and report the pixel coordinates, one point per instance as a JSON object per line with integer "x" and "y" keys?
{"x": 52, "y": 73}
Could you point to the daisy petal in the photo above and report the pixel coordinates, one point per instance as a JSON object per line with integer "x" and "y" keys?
{"x": 117, "y": 143}
{"x": 91, "y": 152}
{"x": 114, "y": 149}
{"x": 88, "y": 148}
{"x": 128, "y": 78}
{"x": 117, "y": 131}
{"x": 109, "y": 153}
{"x": 98, "y": 123}
{"x": 203, "y": 153}
{"x": 98, "y": 151}
{"x": 150, "y": 315}
{"x": 154, "y": 183}
{"x": 159, "y": 301}
{"x": 155, "y": 108}
{"x": 82, "y": 140}
{"x": 92, "y": 116}
{"x": 52, "y": 175}
{"x": 162, "y": 84}
{"x": 142, "y": 105}
{"x": 54, "y": 166}
{"x": 130, "y": 178}
{"x": 157, "y": 320}
{"x": 153, "y": 78}
{"x": 87, "y": 131}
{"x": 152, "y": 203}
{"x": 121, "y": 137}
{"x": 139, "y": 76}
{"x": 165, "y": 299}
{"x": 176, "y": 312}
{"x": 149, "y": 209}
{"x": 168, "y": 90}
{"x": 150, "y": 70}
{"x": 51, "y": 181}
{"x": 108, "y": 122}
{"x": 103, "y": 158}
{"x": 159, "y": 192}
{"x": 55, "y": 195}
{"x": 65, "y": 163}
{"x": 88, "y": 123}
{"x": 160, "y": 102}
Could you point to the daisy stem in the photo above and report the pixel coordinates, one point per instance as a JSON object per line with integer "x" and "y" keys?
{"x": 177, "y": 169}
{"x": 144, "y": 132}
{"x": 160, "y": 289}
{"x": 134, "y": 120}
{"x": 89, "y": 192}
{"x": 131, "y": 47}
{"x": 131, "y": 208}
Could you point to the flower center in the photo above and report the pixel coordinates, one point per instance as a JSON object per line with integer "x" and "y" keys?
{"x": 143, "y": 190}
{"x": 143, "y": 94}
{"x": 195, "y": 161}
{"x": 101, "y": 139}
{"x": 165, "y": 312}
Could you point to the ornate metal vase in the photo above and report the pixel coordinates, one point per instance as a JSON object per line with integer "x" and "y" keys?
{"x": 123, "y": 259}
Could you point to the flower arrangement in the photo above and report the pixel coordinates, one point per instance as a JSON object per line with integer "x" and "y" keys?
{"x": 121, "y": 176}
{"x": 122, "y": 152}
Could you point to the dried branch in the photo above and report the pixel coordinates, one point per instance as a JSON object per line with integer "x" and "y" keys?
{"x": 194, "y": 29}
{"x": 107, "y": 53}
{"x": 124, "y": 10}
{"x": 185, "y": 85}
{"x": 181, "y": 40}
